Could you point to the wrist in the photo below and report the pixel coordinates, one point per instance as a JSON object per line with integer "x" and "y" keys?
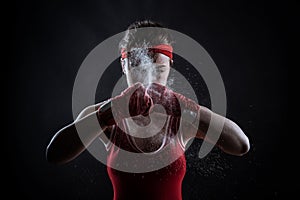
{"x": 105, "y": 115}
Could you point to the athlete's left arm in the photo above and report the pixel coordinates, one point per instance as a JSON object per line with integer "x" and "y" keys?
{"x": 232, "y": 139}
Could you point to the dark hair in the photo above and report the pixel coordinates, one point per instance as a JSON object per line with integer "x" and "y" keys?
{"x": 136, "y": 37}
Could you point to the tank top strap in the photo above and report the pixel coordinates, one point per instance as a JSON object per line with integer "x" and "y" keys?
{"x": 176, "y": 131}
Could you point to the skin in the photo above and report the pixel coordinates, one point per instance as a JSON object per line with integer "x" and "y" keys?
{"x": 160, "y": 70}
{"x": 66, "y": 144}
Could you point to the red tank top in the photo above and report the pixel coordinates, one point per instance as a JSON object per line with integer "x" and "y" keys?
{"x": 162, "y": 184}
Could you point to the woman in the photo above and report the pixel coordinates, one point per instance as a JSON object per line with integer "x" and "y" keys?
{"x": 146, "y": 60}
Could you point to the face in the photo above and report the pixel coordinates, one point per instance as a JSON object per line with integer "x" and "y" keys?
{"x": 151, "y": 69}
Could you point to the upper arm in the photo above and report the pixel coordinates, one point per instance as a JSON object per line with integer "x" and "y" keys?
{"x": 231, "y": 140}
{"x": 189, "y": 132}
{"x": 199, "y": 127}
{"x": 106, "y": 137}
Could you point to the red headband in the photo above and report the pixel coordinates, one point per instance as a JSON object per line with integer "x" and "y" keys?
{"x": 162, "y": 48}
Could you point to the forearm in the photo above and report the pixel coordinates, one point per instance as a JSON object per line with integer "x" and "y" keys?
{"x": 90, "y": 109}
{"x": 70, "y": 141}
{"x": 67, "y": 144}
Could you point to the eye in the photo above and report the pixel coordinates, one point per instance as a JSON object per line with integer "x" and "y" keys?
{"x": 154, "y": 57}
{"x": 160, "y": 69}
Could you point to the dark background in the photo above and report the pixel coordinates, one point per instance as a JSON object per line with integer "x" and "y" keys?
{"x": 247, "y": 41}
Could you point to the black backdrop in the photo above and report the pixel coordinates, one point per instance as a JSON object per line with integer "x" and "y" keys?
{"x": 248, "y": 42}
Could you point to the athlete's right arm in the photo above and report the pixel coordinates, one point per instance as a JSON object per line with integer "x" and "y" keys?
{"x": 91, "y": 122}
{"x": 67, "y": 144}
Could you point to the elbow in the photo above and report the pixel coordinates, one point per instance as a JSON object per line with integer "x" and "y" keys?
{"x": 243, "y": 143}
{"x": 244, "y": 146}
{"x": 50, "y": 157}
{"x": 53, "y": 157}
{"x": 240, "y": 141}
{"x": 239, "y": 148}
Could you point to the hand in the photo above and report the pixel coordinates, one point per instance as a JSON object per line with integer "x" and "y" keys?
{"x": 166, "y": 97}
{"x": 174, "y": 103}
{"x": 132, "y": 102}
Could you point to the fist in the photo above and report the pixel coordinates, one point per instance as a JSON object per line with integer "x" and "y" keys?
{"x": 166, "y": 97}
{"x": 132, "y": 102}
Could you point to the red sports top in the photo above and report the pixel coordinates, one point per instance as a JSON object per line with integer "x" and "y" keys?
{"x": 162, "y": 184}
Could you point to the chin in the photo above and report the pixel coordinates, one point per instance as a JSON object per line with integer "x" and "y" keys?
{"x": 158, "y": 82}
{"x": 161, "y": 83}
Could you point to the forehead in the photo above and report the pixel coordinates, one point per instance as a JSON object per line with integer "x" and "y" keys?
{"x": 154, "y": 57}
{"x": 146, "y": 52}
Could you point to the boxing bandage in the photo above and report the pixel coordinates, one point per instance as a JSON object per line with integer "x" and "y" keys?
{"x": 131, "y": 102}
{"x": 174, "y": 103}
